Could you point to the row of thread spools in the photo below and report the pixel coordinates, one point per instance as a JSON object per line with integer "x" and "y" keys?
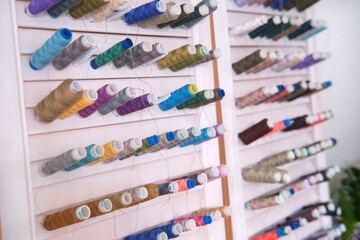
{"x": 265, "y": 127}
{"x": 59, "y": 50}
{"x": 282, "y": 5}
{"x": 69, "y": 98}
{"x": 281, "y": 93}
{"x": 154, "y": 14}
{"x": 278, "y": 27}
{"x": 118, "y": 150}
{"x": 276, "y": 61}
{"x": 133, "y": 197}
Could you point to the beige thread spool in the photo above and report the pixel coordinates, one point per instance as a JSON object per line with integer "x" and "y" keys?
{"x": 58, "y": 101}
{"x": 278, "y": 159}
{"x": 271, "y": 57}
{"x": 172, "y": 13}
{"x": 266, "y": 175}
{"x": 176, "y": 56}
{"x": 265, "y": 202}
{"x": 225, "y": 211}
{"x": 105, "y": 11}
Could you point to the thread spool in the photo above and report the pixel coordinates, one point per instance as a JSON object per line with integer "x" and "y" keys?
{"x": 200, "y": 97}
{"x": 168, "y": 188}
{"x": 316, "y": 25}
{"x": 179, "y": 96}
{"x": 261, "y": 30}
{"x": 58, "y": 101}
{"x": 200, "y": 220}
{"x": 122, "y": 97}
{"x": 186, "y": 9}
{"x": 304, "y": 5}
{"x": 286, "y": 23}
{"x": 223, "y": 172}
{"x": 164, "y": 139}
{"x": 59, "y": 8}
{"x": 265, "y": 202}
{"x": 249, "y": 61}
{"x": 146, "y": 143}
{"x": 100, "y": 207}
{"x": 119, "y": 13}
{"x": 138, "y": 194}
{"x": 256, "y": 131}
{"x": 111, "y": 148}
{"x": 255, "y": 96}
{"x": 73, "y": 51}
{"x": 212, "y": 55}
{"x": 212, "y": 6}
{"x": 151, "y": 235}
{"x": 193, "y": 132}
{"x": 93, "y": 153}
{"x": 220, "y": 130}
{"x": 295, "y": 25}
{"x": 83, "y": 58}
{"x": 180, "y": 135}
{"x": 219, "y": 94}
{"x": 85, "y": 7}
{"x": 145, "y": 12}
{"x": 201, "y": 53}
{"x": 67, "y": 217}
{"x": 241, "y": 3}
{"x": 279, "y": 126}
{"x": 225, "y": 211}
{"x": 130, "y": 146}
{"x": 50, "y": 49}
{"x": 110, "y": 54}
{"x": 136, "y": 104}
{"x": 199, "y": 178}
{"x": 158, "y": 50}
{"x": 188, "y": 225}
{"x": 105, "y": 94}
{"x": 278, "y": 159}
{"x": 198, "y": 13}
{"x": 212, "y": 172}
{"x": 206, "y": 134}
{"x": 101, "y": 13}
{"x": 176, "y": 56}
{"x": 309, "y": 215}
{"x": 132, "y": 54}
{"x": 88, "y": 98}
{"x": 266, "y": 175}
{"x": 270, "y": 60}
{"x": 171, "y": 13}
{"x": 172, "y": 230}
{"x": 120, "y": 200}
{"x": 247, "y": 27}
{"x": 275, "y": 90}
{"x": 38, "y": 6}
{"x": 185, "y": 184}
{"x": 152, "y": 191}
{"x": 321, "y": 27}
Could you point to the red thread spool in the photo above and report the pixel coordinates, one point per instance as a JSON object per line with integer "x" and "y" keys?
{"x": 256, "y": 131}
{"x": 279, "y": 126}
{"x": 272, "y": 235}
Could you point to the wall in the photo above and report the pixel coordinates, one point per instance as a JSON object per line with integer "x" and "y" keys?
{"x": 342, "y": 38}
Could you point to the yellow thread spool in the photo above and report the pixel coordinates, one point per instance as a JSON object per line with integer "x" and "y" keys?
{"x": 88, "y": 98}
{"x": 176, "y": 56}
{"x": 111, "y": 148}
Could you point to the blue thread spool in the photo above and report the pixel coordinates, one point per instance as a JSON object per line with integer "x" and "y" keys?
{"x": 172, "y": 230}
{"x": 149, "y": 235}
{"x": 179, "y": 96}
{"x": 94, "y": 153}
{"x": 206, "y": 134}
{"x": 51, "y": 48}
{"x": 145, "y": 12}
{"x": 279, "y": 3}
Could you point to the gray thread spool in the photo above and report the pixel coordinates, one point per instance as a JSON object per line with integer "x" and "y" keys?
{"x": 266, "y": 175}
{"x": 130, "y": 146}
{"x": 278, "y": 159}
{"x": 73, "y": 51}
{"x": 168, "y": 188}
{"x": 122, "y": 97}
{"x": 157, "y": 50}
{"x": 172, "y": 13}
{"x": 132, "y": 54}
{"x": 62, "y": 161}
{"x": 194, "y": 132}
{"x": 180, "y": 135}
{"x": 213, "y": 54}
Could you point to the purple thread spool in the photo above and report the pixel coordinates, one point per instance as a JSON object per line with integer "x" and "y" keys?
{"x": 307, "y": 60}
{"x": 241, "y": 3}
{"x": 139, "y": 103}
{"x": 287, "y": 59}
{"x": 106, "y": 93}
{"x": 38, "y": 6}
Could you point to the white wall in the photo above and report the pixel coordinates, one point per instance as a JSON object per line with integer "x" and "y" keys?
{"x": 343, "y": 69}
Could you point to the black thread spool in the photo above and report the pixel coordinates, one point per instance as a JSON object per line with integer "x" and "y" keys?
{"x": 306, "y": 26}
{"x": 260, "y": 31}
{"x": 256, "y": 131}
{"x": 277, "y": 27}
{"x": 309, "y": 214}
{"x": 249, "y": 61}
{"x": 305, "y": 4}
{"x": 269, "y": 2}
{"x": 299, "y": 122}
{"x": 168, "y": 188}
{"x": 289, "y": 5}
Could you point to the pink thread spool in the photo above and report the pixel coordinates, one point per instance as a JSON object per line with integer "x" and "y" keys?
{"x": 200, "y": 220}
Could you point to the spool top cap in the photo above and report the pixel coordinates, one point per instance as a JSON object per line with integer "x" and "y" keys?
{"x": 217, "y": 53}
{"x": 190, "y": 224}
{"x": 190, "y": 183}
{"x": 213, "y": 3}
{"x": 203, "y": 10}
{"x": 126, "y": 43}
{"x": 126, "y": 198}
{"x": 228, "y": 211}
{"x": 97, "y": 151}
{"x": 202, "y": 178}
{"x": 209, "y": 94}
{"x": 161, "y": 48}
{"x": 161, "y": 6}
{"x": 193, "y": 89}
{"x": 221, "y": 128}
{"x": 303, "y": 221}
{"x": 135, "y": 143}
{"x": 177, "y": 229}
{"x": 173, "y": 187}
{"x": 221, "y": 93}
{"x": 175, "y": 9}
{"x": 88, "y": 40}
{"x": 66, "y": 33}
{"x": 182, "y": 134}
{"x": 162, "y": 236}
{"x": 207, "y": 219}
{"x": 281, "y": 88}
{"x": 146, "y": 46}
{"x": 188, "y": 8}
{"x": 90, "y": 95}
{"x": 153, "y": 140}
{"x": 204, "y": 50}
{"x": 211, "y": 132}
{"x": 170, "y": 136}
{"x": 294, "y": 225}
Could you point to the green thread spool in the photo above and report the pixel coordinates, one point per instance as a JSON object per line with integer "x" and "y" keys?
{"x": 111, "y": 53}
{"x": 304, "y": 88}
{"x": 186, "y": 9}
{"x": 176, "y": 56}
{"x": 249, "y": 61}
{"x": 199, "y": 98}
{"x": 199, "y": 12}
{"x": 201, "y": 53}
{"x": 146, "y": 144}
{"x": 219, "y": 94}
{"x": 84, "y": 7}
{"x": 285, "y": 24}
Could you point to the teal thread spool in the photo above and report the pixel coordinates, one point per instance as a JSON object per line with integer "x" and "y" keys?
{"x": 200, "y": 97}
{"x": 206, "y": 134}
{"x": 219, "y": 94}
{"x": 201, "y": 54}
{"x": 111, "y": 53}
{"x": 211, "y": 4}
{"x": 199, "y": 12}
{"x": 93, "y": 153}
{"x": 146, "y": 143}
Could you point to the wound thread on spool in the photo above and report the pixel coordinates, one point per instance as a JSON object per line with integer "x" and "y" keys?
{"x": 212, "y": 6}
{"x": 180, "y": 135}
{"x": 83, "y": 58}
{"x": 185, "y": 184}
{"x": 120, "y": 200}
{"x": 111, "y": 148}
{"x": 249, "y": 61}
{"x": 261, "y": 30}
{"x": 260, "y": 174}
{"x": 50, "y": 49}
{"x": 193, "y": 132}
{"x": 62, "y": 161}
{"x": 62, "y": 6}
{"x": 200, "y": 97}
{"x": 130, "y": 146}
{"x": 66, "y": 217}
{"x": 265, "y": 202}
{"x": 276, "y": 91}
{"x": 122, "y": 97}
{"x": 179, "y": 96}
{"x": 219, "y": 94}
{"x": 212, "y": 172}
{"x": 225, "y": 211}
{"x": 241, "y": 3}
{"x": 223, "y": 172}
{"x": 296, "y": 24}
{"x": 151, "y": 234}
{"x": 213, "y": 55}
{"x": 105, "y": 94}
{"x": 119, "y": 13}
{"x": 176, "y": 56}
{"x": 88, "y": 98}
{"x": 200, "y": 220}
{"x": 100, "y": 207}
{"x": 277, "y": 159}
{"x": 158, "y": 50}
{"x": 101, "y": 13}
{"x": 172, "y": 12}
{"x": 136, "y": 104}
{"x": 254, "y": 97}
{"x": 110, "y": 54}
{"x": 146, "y": 143}
{"x": 58, "y": 101}
{"x": 187, "y": 225}
{"x": 299, "y": 122}
{"x": 256, "y": 131}
{"x": 198, "y": 13}
{"x": 172, "y": 230}
{"x": 186, "y": 9}
{"x": 201, "y": 53}
{"x": 279, "y": 126}
{"x": 145, "y": 12}
{"x": 206, "y": 134}
{"x": 168, "y": 188}
{"x": 220, "y": 130}
{"x": 270, "y": 60}
{"x": 132, "y": 54}
{"x": 73, "y": 51}
{"x": 38, "y": 6}
{"x": 84, "y": 7}
{"x": 164, "y": 139}
{"x": 93, "y": 153}
{"x": 152, "y": 191}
